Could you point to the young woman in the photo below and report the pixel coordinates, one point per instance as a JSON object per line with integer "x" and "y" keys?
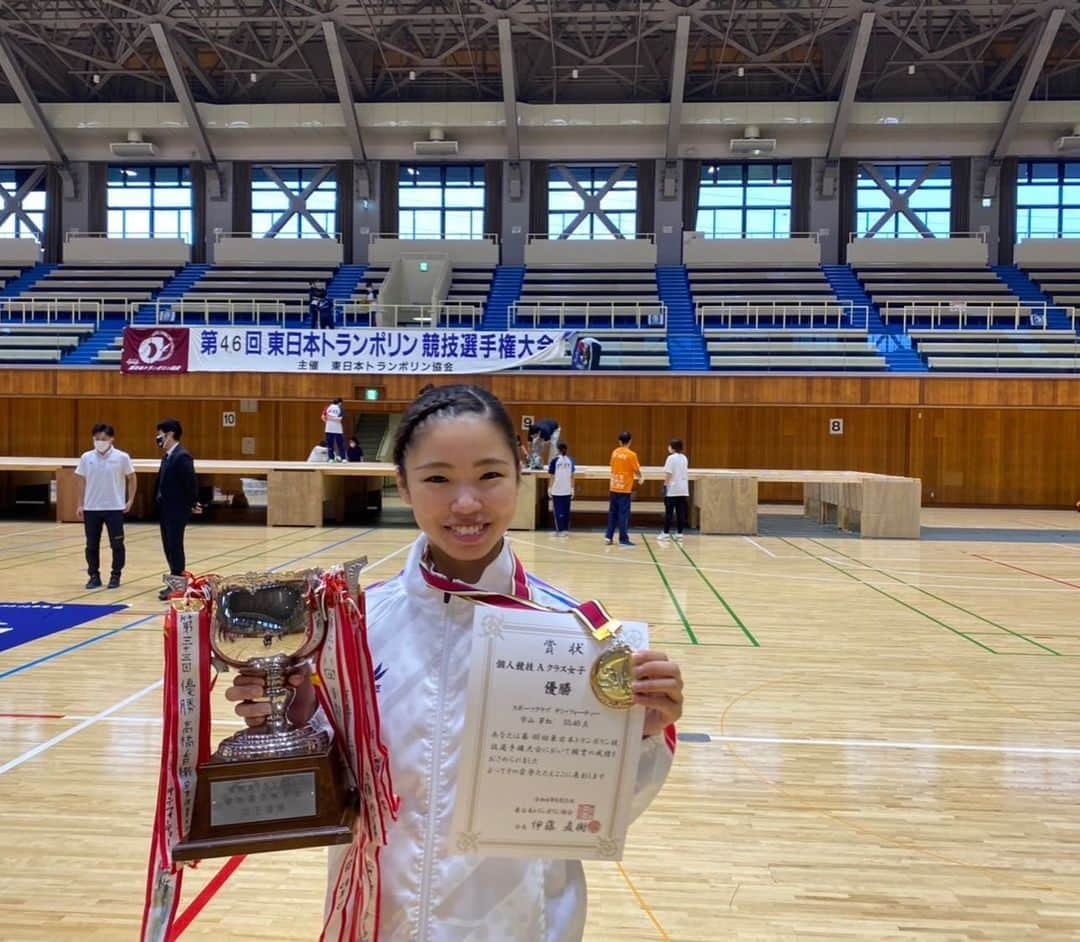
{"x": 458, "y": 468}
{"x": 676, "y": 490}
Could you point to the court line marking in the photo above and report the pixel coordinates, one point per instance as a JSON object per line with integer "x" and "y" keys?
{"x": 670, "y": 591}
{"x": 1030, "y": 572}
{"x": 722, "y": 600}
{"x": 980, "y": 583}
{"x": 754, "y": 542}
{"x": 78, "y": 728}
{"x": 108, "y": 634}
{"x": 907, "y": 845}
{"x": 898, "y": 744}
{"x": 207, "y": 893}
{"x": 960, "y": 608}
{"x": 641, "y": 902}
{"x": 75, "y": 647}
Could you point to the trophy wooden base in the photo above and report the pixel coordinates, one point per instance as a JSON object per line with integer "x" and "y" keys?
{"x": 251, "y": 807}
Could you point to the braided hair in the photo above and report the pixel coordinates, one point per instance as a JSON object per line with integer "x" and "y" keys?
{"x": 441, "y": 402}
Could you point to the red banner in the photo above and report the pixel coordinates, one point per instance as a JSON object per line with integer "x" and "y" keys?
{"x": 155, "y": 350}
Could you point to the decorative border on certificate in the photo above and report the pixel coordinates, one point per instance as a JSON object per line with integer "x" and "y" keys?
{"x": 546, "y": 770}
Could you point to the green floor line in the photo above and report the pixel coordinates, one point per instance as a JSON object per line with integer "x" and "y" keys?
{"x": 671, "y": 594}
{"x": 918, "y": 611}
{"x": 738, "y": 621}
{"x": 959, "y": 608}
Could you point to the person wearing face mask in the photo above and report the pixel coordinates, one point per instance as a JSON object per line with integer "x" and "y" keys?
{"x": 176, "y": 492}
{"x": 106, "y": 485}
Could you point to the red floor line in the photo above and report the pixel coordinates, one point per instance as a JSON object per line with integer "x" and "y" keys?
{"x": 32, "y": 716}
{"x": 998, "y": 562}
{"x": 188, "y": 916}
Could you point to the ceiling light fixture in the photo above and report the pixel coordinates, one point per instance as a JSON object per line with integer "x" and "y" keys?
{"x": 96, "y": 79}
{"x": 573, "y": 73}
{"x": 911, "y": 69}
{"x": 254, "y": 77}
{"x": 412, "y": 75}
{"x": 741, "y": 71}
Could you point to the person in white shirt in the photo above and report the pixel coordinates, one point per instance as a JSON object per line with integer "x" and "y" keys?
{"x": 676, "y": 490}
{"x": 106, "y": 485}
{"x": 335, "y": 432}
{"x": 562, "y": 470}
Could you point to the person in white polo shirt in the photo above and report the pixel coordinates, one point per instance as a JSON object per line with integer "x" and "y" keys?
{"x": 106, "y": 485}
{"x": 676, "y": 490}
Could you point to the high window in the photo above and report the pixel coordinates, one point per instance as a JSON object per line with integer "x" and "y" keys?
{"x": 26, "y": 187}
{"x": 1048, "y": 200}
{"x": 745, "y": 201}
{"x": 923, "y": 194}
{"x": 149, "y": 202}
{"x": 574, "y": 211}
{"x": 294, "y": 202}
{"x": 441, "y": 201}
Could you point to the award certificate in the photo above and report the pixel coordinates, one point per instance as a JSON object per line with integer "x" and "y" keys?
{"x": 547, "y": 770}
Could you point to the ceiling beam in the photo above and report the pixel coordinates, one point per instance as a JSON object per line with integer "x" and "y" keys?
{"x": 678, "y": 86}
{"x": 509, "y": 89}
{"x": 1032, "y": 69}
{"x": 338, "y": 56}
{"x": 851, "y": 84}
{"x": 17, "y": 80}
{"x": 187, "y": 106}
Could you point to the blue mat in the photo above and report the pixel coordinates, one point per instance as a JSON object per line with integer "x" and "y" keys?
{"x": 21, "y": 622}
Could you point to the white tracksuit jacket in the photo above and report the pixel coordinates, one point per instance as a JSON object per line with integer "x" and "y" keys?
{"x": 420, "y": 644}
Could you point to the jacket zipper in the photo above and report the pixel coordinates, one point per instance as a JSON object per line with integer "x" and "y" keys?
{"x": 436, "y": 758}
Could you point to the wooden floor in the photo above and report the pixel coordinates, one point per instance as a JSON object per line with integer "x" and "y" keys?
{"x": 882, "y": 739}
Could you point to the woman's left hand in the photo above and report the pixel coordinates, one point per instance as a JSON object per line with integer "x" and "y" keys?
{"x": 658, "y": 687}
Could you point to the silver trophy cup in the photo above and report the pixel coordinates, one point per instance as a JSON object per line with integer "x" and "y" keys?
{"x": 266, "y": 624}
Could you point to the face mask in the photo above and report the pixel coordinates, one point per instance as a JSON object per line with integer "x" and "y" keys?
{"x": 101, "y": 447}
{"x": 160, "y": 439}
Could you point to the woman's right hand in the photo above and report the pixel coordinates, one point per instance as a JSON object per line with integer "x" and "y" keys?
{"x": 248, "y": 692}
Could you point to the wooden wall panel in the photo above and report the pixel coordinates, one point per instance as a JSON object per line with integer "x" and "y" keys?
{"x": 1009, "y": 457}
{"x": 981, "y": 440}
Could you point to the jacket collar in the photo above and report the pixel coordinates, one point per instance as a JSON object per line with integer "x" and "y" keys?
{"x": 498, "y": 577}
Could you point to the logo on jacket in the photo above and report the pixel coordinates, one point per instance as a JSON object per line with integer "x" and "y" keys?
{"x": 380, "y": 672}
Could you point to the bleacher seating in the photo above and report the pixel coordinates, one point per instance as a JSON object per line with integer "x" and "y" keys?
{"x": 998, "y": 350}
{"x": 40, "y": 343}
{"x": 9, "y": 274}
{"x": 467, "y": 295}
{"x": 611, "y": 297}
{"x": 929, "y": 297}
{"x": 634, "y": 349}
{"x": 767, "y": 297}
{"x": 1061, "y": 285}
{"x": 116, "y": 288}
{"x": 792, "y": 349}
{"x": 251, "y": 295}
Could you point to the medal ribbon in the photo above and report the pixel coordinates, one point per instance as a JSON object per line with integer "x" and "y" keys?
{"x": 592, "y": 615}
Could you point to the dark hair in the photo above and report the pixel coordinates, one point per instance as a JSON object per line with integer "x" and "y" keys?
{"x": 563, "y": 448}
{"x": 103, "y": 427}
{"x": 427, "y": 387}
{"x": 676, "y": 445}
{"x": 624, "y": 438}
{"x": 337, "y": 401}
{"x": 445, "y": 402}
{"x": 171, "y": 425}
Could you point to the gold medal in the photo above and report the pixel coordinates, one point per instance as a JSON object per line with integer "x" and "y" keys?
{"x": 612, "y": 677}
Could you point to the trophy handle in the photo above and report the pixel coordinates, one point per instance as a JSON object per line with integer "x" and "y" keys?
{"x": 281, "y": 695}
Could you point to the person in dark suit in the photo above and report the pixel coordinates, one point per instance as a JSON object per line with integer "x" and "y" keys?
{"x": 176, "y": 490}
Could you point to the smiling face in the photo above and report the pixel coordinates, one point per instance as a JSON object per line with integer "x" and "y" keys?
{"x": 461, "y": 480}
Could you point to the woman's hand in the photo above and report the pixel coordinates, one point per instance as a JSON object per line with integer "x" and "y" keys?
{"x": 658, "y": 687}
{"x": 248, "y": 692}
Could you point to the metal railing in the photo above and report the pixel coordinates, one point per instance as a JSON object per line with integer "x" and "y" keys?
{"x": 979, "y": 236}
{"x": 491, "y": 237}
{"x": 606, "y": 237}
{"x": 235, "y": 310}
{"x": 597, "y": 314}
{"x": 449, "y": 314}
{"x": 811, "y": 314}
{"x": 742, "y": 234}
{"x": 220, "y": 234}
{"x": 979, "y": 314}
{"x": 127, "y": 236}
{"x": 36, "y": 310}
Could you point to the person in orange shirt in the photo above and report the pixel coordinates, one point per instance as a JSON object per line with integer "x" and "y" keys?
{"x": 625, "y": 472}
